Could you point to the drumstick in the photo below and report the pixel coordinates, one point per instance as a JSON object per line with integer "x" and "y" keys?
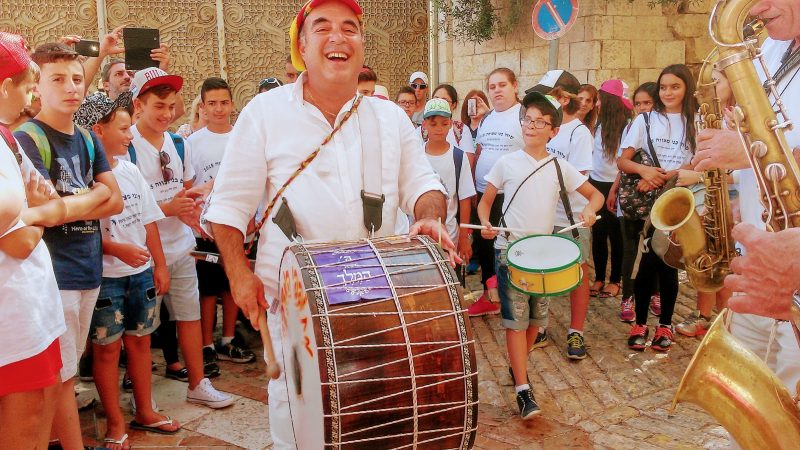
{"x": 273, "y": 370}
{"x": 518, "y": 230}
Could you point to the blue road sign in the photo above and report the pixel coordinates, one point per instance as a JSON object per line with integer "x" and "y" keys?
{"x": 551, "y": 19}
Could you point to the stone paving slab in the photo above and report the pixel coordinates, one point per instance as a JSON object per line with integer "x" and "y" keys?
{"x": 614, "y": 399}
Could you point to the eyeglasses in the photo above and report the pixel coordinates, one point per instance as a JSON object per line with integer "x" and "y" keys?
{"x": 539, "y": 124}
{"x": 166, "y": 172}
{"x": 406, "y": 103}
{"x": 418, "y": 86}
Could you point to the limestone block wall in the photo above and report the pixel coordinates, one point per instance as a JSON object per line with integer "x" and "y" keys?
{"x": 610, "y": 39}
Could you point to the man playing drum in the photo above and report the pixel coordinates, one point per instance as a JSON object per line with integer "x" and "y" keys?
{"x": 370, "y": 162}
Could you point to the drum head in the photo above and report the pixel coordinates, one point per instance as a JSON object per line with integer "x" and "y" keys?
{"x": 543, "y": 253}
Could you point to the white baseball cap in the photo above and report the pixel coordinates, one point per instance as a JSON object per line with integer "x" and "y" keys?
{"x": 151, "y": 77}
{"x": 420, "y": 75}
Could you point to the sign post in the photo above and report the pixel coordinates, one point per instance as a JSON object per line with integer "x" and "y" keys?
{"x": 552, "y": 19}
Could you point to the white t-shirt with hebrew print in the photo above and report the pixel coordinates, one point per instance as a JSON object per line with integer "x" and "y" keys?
{"x": 177, "y": 239}
{"x": 445, "y": 167}
{"x": 498, "y": 135}
{"x": 140, "y": 208}
{"x": 534, "y": 207}
{"x": 573, "y": 144}
{"x": 668, "y": 133}
{"x": 206, "y": 155}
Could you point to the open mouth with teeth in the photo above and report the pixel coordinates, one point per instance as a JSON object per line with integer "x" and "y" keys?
{"x": 336, "y": 56}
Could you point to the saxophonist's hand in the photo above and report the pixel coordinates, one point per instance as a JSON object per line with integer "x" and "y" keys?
{"x": 719, "y": 149}
{"x": 766, "y": 274}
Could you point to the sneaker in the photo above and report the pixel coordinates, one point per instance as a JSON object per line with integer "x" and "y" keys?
{"x": 638, "y": 337}
{"x": 210, "y": 367}
{"x": 576, "y": 346}
{"x": 541, "y": 341}
{"x": 181, "y": 374}
{"x": 694, "y": 326}
{"x": 127, "y": 384}
{"x": 472, "y": 267}
{"x": 527, "y": 404}
{"x": 205, "y": 394}
{"x": 655, "y": 305}
{"x": 626, "y": 312}
{"x": 233, "y": 353}
{"x": 85, "y": 369}
{"x": 663, "y": 338}
{"x": 483, "y": 307}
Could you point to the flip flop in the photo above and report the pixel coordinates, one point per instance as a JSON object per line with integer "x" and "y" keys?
{"x": 607, "y": 294}
{"x": 595, "y": 291}
{"x": 154, "y": 427}
{"x": 120, "y": 442}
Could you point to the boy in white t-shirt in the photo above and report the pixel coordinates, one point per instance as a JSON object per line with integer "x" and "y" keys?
{"x": 208, "y": 146}
{"x": 452, "y": 166}
{"x": 530, "y": 180}
{"x": 156, "y": 153}
{"x": 31, "y": 317}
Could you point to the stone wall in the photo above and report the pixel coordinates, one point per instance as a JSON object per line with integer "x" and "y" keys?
{"x": 610, "y": 39}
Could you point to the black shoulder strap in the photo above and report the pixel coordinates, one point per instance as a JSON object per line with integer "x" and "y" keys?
{"x": 565, "y": 199}
{"x": 653, "y": 154}
{"x": 458, "y": 159}
{"x": 12, "y": 143}
{"x": 502, "y": 221}
{"x": 574, "y": 129}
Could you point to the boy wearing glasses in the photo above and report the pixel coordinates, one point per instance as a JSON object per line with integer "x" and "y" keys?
{"x": 530, "y": 179}
{"x": 157, "y": 155}
{"x": 418, "y": 81}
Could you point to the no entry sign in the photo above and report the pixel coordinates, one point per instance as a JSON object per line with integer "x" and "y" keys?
{"x": 551, "y": 19}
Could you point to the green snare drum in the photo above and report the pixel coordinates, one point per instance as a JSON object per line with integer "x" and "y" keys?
{"x": 545, "y": 265}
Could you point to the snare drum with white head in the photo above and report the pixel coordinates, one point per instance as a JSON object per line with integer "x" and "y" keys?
{"x": 545, "y": 265}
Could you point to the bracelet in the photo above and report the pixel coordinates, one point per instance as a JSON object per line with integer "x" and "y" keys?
{"x": 795, "y": 309}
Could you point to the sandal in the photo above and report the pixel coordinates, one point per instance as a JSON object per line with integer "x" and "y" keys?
{"x": 156, "y": 426}
{"x": 596, "y": 288}
{"x": 605, "y": 293}
{"x": 121, "y": 442}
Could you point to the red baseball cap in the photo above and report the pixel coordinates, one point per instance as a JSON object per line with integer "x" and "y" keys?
{"x": 14, "y": 59}
{"x": 145, "y": 79}
{"x": 297, "y": 25}
{"x": 616, "y": 88}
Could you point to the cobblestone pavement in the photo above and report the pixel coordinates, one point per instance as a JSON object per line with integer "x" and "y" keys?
{"x": 615, "y": 398}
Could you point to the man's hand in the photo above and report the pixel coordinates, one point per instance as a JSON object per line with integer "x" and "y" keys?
{"x": 180, "y": 205}
{"x": 719, "y": 149}
{"x": 38, "y": 191}
{"x": 109, "y": 44}
{"x": 438, "y": 232}
{"x": 161, "y": 54}
{"x": 248, "y": 294}
{"x": 767, "y": 273}
{"x": 70, "y": 39}
{"x": 465, "y": 244}
{"x": 161, "y": 279}
{"x": 132, "y": 255}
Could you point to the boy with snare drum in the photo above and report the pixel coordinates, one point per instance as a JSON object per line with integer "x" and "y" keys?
{"x": 532, "y": 180}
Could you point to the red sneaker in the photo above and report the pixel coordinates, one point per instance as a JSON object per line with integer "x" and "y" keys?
{"x": 483, "y": 307}
{"x": 663, "y": 338}
{"x": 655, "y": 304}
{"x": 638, "y": 337}
{"x": 626, "y": 312}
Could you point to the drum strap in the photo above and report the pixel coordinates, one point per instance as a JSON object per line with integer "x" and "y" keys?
{"x": 565, "y": 199}
{"x": 502, "y": 221}
{"x": 371, "y": 163}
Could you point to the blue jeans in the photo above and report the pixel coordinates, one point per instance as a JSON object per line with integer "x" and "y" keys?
{"x": 126, "y": 304}
{"x": 518, "y": 310}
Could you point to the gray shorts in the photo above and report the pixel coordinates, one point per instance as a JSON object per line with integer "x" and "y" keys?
{"x": 584, "y": 241}
{"x": 518, "y": 309}
{"x": 183, "y": 298}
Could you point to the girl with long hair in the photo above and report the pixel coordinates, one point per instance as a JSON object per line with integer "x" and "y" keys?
{"x": 587, "y": 98}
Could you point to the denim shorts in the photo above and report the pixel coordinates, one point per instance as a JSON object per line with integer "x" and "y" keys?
{"x": 518, "y": 310}
{"x": 126, "y": 304}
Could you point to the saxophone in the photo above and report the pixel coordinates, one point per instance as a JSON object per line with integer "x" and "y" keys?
{"x": 726, "y": 379}
{"x": 705, "y": 242}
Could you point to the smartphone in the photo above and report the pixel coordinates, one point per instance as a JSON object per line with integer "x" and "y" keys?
{"x": 88, "y": 48}
{"x": 472, "y": 107}
{"x": 138, "y": 44}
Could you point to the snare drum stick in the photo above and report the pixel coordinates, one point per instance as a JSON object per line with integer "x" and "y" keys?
{"x": 518, "y": 230}
{"x": 273, "y": 370}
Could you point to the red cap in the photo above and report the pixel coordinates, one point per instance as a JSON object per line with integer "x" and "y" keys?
{"x": 14, "y": 59}
{"x": 297, "y": 25}
{"x": 615, "y": 87}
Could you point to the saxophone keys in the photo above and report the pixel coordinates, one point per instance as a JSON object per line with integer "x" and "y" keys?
{"x": 775, "y": 172}
{"x": 758, "y": 149}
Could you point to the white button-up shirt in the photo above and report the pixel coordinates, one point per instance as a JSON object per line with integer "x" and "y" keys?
{"x": 274, "y": 133}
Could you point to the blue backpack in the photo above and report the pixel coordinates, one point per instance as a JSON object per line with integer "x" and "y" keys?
{"x": 38, "y": 136}
{"x": 176, "y": 139}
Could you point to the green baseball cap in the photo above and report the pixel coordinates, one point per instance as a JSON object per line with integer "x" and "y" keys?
{"x": 437, "y": 107}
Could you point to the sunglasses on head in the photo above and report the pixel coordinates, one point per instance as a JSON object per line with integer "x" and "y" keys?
{"x": 419, "y": 86}
{"x": 166, "y": 172}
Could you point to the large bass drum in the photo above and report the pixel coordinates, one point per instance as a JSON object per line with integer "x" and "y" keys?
{"x": 378, "y": 352}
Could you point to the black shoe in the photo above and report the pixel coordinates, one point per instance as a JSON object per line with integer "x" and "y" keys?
{"x": 85, "y": 369}
{"x": 527, "y": 404}
{"x": 576, "y": 346}
{"x": 210, "y": 367}
{"x": 233, "y": 353}
{"x": 181, "y": 374}
{"x": 127, "y": 384}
